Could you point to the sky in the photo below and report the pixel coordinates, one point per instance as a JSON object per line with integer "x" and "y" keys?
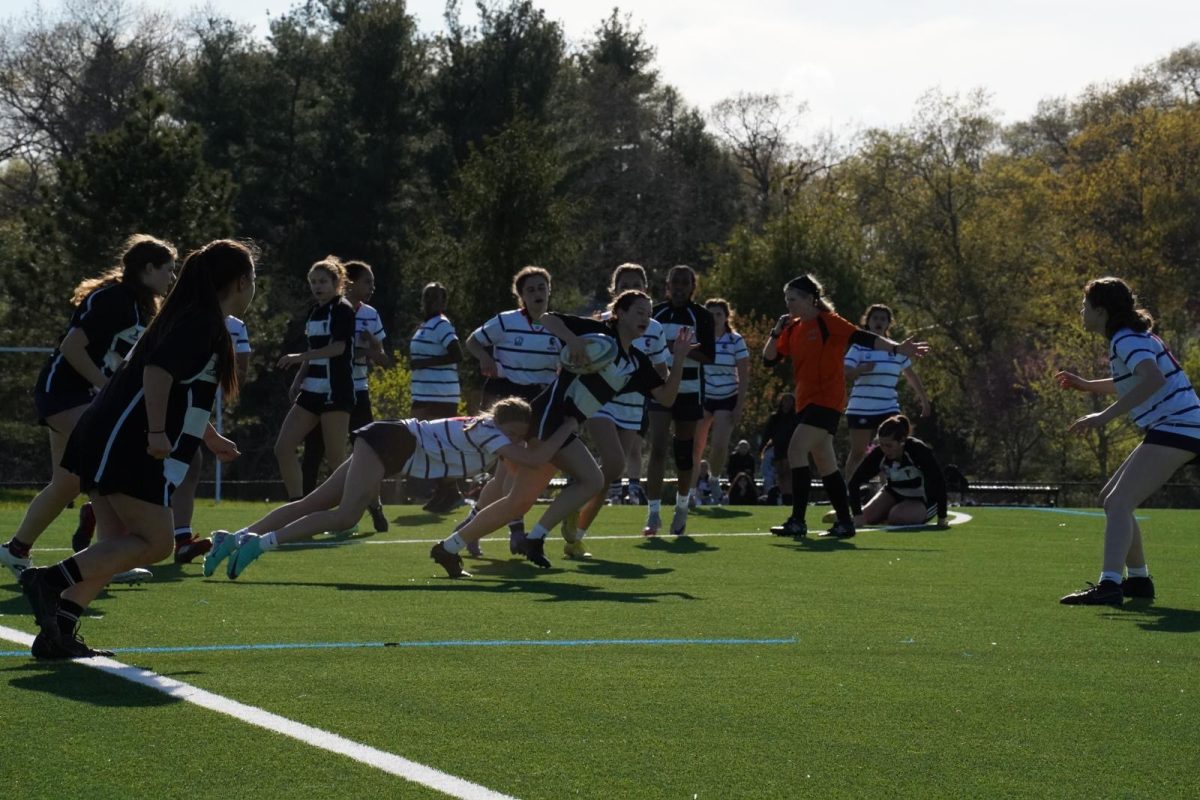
{"x": 859, "y": 64}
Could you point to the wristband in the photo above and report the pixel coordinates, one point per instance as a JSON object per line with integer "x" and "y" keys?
{"x": 774, "y": 335}
{"x": 153, "y": 432}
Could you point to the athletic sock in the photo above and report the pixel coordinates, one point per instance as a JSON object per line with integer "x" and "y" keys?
{"x": 63, "y": 574}
{"x": 681, "y": 500}
{"x": 517, "y": 526}
{"x": 454, "y": 543}
{"x": 653, "y": 506}
{"x": 68, "y": 617}
{"x": 19, "y": 548}
{"x": 835, "y": 488}
{"x": 801, "y": 477}
{"x": 183, "y": 533}
{"x": 1115, "y": 577}
{"x": 579, "y": 534}
{"x": 538, "y": 532}
{"x": 1138, "y": 572}
{"x": 268, "y": 541}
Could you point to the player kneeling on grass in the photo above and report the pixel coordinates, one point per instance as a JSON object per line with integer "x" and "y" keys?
{"x": 915, "y": 491}
{"x": 1152, "y": 387}
{"x": 458, "y": 447}
{"x": 133, "y": 445}
{"x": 578, "y": 393}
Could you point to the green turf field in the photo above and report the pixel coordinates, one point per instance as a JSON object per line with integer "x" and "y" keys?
{"x": 904, "y": 664}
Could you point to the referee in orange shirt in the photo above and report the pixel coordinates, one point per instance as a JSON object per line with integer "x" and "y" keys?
{"x": 816, "y": 340}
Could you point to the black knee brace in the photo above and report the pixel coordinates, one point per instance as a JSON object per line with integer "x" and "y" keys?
{"x": 683, "y": 454}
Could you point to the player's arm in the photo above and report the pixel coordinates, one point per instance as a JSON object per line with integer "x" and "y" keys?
{"x": 1151, "y": 380}
{"x": 156, "y": 388}
{"x": 74, "y": 349}
{"x": 771, "y": 355}
{"x": 543, "y": 451}
{"x": 479, "y": 346}
{"x": 919, "y": 389}
{"x": 453, "y": 355}
{"x": 1069, "y": 380}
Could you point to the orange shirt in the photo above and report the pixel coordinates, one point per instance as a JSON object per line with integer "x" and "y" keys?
{"x": 817, "y": 349}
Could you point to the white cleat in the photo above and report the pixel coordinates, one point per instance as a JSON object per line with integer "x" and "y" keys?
{"x": 131, "y": 576}
{"x": 15, "y": 565}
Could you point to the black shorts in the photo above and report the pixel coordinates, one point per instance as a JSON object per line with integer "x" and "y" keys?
{"x": 687, "y": 407}
{"x": 713, "y": 405}
{"x": 1175, "y": 440}
{"x": 499, "y": 388}
{"x": 868, "y": 422}
{"x": 820, "y": 417}
{"x": 128, "y": 468}
{"x": 47, "y": 405}
{"x": 393, "y": 442}
{"x": 931, "y": 507}
{"x": 319, "y": 403}
{"x": 548, "y": 417}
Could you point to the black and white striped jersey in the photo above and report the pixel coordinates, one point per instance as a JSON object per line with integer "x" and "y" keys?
{"x": 721, "y": 376}
{"x": 525, "y": 353}
{"x": 331, "y": 377}
{"x": 439, "y": 384}
{"x": 916, "y": 475}
{"x": 459, "y": 447}
{"x": 112, "y": 321}
{"x": 239, "y": 334}
{"x": 626, "y": 409}
{"x": 698, "y": 318}
{"x": 582, "y": 396}
{"x": 190, "y": 353}
{"x": 1174, "y": 408}
{"x": 366, "y": 320}
{"x": 874, "y": 392}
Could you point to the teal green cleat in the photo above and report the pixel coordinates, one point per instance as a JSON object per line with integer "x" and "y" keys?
{"x": 223, "y": 544}
{"x": 246, "y": 553}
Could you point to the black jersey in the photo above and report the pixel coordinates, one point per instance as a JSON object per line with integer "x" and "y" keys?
{"x": 916, "y": 475}
{"x": 107, "y": 449}
{"x": 112, "y": 321}
{"x": 331, "y": 377}
{"x": 581, "y": 396}
{"x": 700, "y": 320}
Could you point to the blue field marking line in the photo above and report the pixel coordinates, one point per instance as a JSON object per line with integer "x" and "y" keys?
{"x": 223, "y": 648}
{"x": 1074, "y": 512}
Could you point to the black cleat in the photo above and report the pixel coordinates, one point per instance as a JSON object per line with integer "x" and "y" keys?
{"x": 793, "y": 527}
{"x": 840, "y": 530}
{"x": 451, "y": 562}
{"x": 1138, "y": 588}
{"x": 1107, "y": 593}
{"x": 378, "y": 517}
{"x": 534, "y": 550}
{"x": 41, "y": 596}
{"x": 56, "y": 648}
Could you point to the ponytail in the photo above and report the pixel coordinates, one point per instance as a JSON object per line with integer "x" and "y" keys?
{"x": 895, "y": 427}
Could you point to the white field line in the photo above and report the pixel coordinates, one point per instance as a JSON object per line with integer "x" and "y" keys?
{"x": 379, "y": 759}
{"x": 956, "y": 518}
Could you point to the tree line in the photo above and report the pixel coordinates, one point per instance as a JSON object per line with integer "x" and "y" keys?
{"x": 465, "y": 155}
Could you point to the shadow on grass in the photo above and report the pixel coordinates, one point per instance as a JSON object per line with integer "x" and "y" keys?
{"x": 420, "y": 518}
{"x": 84, "y": 685}
{"x": 681, "y": 545}
{"x": 551, "y": 591}
{"x": 718, "y": 512}
{"x": 618, "y": 569}
{"x": 813, "y": 545}
{"x": 1160, "y": 619}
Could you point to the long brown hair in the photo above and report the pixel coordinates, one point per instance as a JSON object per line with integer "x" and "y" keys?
{"x": 197, "y": 291}
{"x": 139, "y": 251}
{"x": 723, "y": 304}
{"x": 1117, "y": 298}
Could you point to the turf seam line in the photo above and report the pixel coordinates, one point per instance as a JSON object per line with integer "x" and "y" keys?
{"x": 380, "y": 759}
{"x": 957, "y": 518}
{"x": 217, "y": 648}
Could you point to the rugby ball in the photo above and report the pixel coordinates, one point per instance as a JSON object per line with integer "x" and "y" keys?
{"x": 601, "y": 350}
